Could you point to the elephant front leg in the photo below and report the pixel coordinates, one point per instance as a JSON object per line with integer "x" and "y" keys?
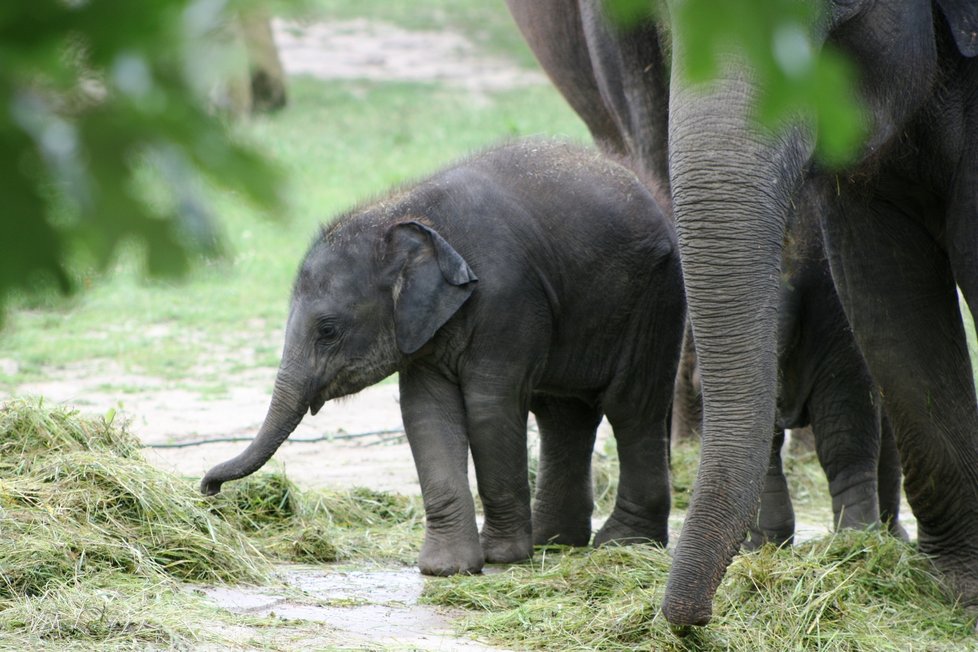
{"x": 497, "y": 437}
{"x": 564, "y": 499}
{"x": 899, "y": 293}
{"x": 434, "y": 419}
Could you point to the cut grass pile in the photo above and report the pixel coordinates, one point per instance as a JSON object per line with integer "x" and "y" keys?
{"x": 93, "y": 539}
{"x": 95, "y": 542}
{"x": 852, "y": 591}
{"x": 78, "y": 498}
{"x": 321, "y": 526}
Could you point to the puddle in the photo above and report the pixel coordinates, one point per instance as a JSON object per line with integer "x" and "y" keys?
{"x": 366, "y": 606}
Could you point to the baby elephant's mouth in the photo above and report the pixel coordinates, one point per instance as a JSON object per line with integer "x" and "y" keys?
{"x": 317, "y": 402}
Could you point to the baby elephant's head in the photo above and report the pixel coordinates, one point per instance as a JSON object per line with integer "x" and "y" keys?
{"x": 361, "y": 305}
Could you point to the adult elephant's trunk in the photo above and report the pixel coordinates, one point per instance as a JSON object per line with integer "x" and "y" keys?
{"x": 286, "y": 410}
{"x": 732, "y": 187}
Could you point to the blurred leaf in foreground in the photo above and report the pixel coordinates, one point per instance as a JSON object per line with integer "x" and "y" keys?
{"x": 92, "y": 92}
{"x": 796, "y": 74}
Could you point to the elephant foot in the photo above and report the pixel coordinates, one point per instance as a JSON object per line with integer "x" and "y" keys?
{"x": 897, "y": 530}
{"x": 959, "y": 573}
{"x": 548, "y": 529}
{"x": 625, "y": 528}
{"x": 782, "y": 535}
{"x": 856, "y": 506}
{"x": 775, "y": 526}
{"x": 506, "y": 549}
{"x": 442, "y": 558}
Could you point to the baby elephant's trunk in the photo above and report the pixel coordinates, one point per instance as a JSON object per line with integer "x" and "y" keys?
{"x": 285, "y": 412}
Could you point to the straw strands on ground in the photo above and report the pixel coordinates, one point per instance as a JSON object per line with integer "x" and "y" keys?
{"x": 853, "y": 591}
{"x": 96, "y": 544}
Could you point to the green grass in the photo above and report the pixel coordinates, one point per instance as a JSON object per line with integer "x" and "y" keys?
{"x": 856, "y": 591}
{"x": 340, "y": 142}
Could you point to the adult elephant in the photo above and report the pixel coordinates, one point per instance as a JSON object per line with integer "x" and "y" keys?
{"x": 900, "y": 230}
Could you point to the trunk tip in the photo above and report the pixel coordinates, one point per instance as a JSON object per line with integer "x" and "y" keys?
{"x": 210, "y": 486}
{"x": 684, "y": 616}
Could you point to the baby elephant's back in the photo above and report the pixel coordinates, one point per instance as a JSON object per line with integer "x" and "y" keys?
{"x": 562, "y": 204}
{"x": 583, "y": 231}
{"x": 588, "y": 224}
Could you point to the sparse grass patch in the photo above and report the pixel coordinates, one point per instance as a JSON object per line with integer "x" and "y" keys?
{"x": 853, "y": 591}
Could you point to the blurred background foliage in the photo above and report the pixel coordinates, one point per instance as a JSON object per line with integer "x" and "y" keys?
{"x": 92, "y": 94}
{"x": 112, "y": 130}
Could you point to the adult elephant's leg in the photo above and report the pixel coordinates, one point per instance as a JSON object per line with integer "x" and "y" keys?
{"x": 564, "y": 500}
{"x": 962, "y": 221}
{"x": 631, "y": 70}
{"x": 732, "y": 188}
{"x": 686, "y": 421}
{"x": 843, "y": 407}
{"x": 496, "y": 412}
{"x": 889, "y": 479}
{"x": 896, "y": 284}
{"x": 845, "y": 421}
{"x": 434, "y": 419}
{"x": 555, "y": 32}
{"x": 775, "y": 521}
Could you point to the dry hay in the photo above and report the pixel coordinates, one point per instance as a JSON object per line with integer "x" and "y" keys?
{"x": 95, "y": 543}
{"x": 852, "y": 591}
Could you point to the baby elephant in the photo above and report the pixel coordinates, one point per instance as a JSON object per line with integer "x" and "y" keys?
{"x": 537, "y": 277}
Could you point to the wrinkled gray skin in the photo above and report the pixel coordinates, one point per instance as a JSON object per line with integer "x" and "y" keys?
{"x": 824, "y": 383}
{"x": 824, "y": 380}
{"x": 535, "y": 277}
{"x": 901, "y": 230}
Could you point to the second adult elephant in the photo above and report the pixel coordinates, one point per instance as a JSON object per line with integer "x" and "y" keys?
{"x": 823, "y": 382}
{"x": 901, "y": 232}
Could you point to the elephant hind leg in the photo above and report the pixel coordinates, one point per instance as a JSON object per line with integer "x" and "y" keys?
{"x": 775, "y": 522}
{"x": 563, "y": 500}
{"x": 889, "y": 480}
{"x": 641, "y": 512}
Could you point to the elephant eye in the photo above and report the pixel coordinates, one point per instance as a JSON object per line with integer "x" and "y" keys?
{"x": 328, "y": 331}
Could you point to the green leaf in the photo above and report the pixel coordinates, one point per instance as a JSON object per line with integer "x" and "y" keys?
{"x": 796, "y": 77}
{"x": 89, "y": 91}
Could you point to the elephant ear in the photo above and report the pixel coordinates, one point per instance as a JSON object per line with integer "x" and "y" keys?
{"x": 962, "y": 17}
{"x": 432, "y": 283}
